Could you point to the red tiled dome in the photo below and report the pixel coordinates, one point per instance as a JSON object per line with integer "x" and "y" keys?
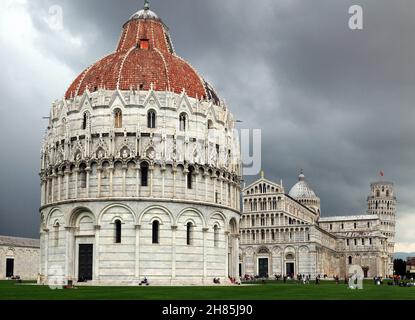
{"x": 144, "y": 57}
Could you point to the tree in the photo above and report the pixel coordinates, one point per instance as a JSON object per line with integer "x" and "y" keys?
{"x": 399, "y": 266}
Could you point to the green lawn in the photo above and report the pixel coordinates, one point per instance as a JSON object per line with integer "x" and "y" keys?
{"x": 9, "y": 290}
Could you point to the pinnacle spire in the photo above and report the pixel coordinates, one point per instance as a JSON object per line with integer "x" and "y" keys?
{"x": 146, "y": 5}
{"x": 301, "y": 177}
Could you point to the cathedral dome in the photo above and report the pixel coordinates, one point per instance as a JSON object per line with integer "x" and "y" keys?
{"x": 302, "y": 190}
{"x": 144, "y": 59}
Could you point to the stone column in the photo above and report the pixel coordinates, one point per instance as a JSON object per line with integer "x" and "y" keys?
{"x": 173, "y": 253}
{"x": 174, "y": 181}
{"x": 53, "y": 186}
{"x": 227, "y": 253}
{"x": 99, "y": 173}
{"x": 214, "y": 190}
{"x": 151, "y": 180}
{"x": 124, "y": 177}
{"x": 235, "y": 248}
{"x": 283, "y": 269}
{"x": 43, "y": 191}
{"x": 205, "y": 249}
{"x": 137, "y": 251}
{"x": 186, "y": 178}
{"x": 221, "y": 192}
{"x": 46, "y": 246}
{"x": 88, "y": 174}
{"x": 60, "y": 174}
{"x": 67, "y": 175}
{"x": 111, "y": 170}
{"x": 138, "y": 181}
{"x": 76, "y": 182}
{"x": 72, "y": 253}
{"x": 69, "y": 253}
{"x": 196, "y": 184}
{"x": 206, "y": 175}
{"x": 163, "y": 182}
{"x": 97, "y": 253}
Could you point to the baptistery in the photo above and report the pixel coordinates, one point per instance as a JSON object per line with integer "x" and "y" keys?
{"x": 140, "y": 170}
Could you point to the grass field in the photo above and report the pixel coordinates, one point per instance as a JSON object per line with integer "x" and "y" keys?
{"x": 9, "y": 290}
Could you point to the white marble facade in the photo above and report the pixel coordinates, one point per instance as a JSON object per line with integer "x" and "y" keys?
{"x": 284, "y": 234}
{"x": 19, "y": 257}
{"x": 140, "y": 183}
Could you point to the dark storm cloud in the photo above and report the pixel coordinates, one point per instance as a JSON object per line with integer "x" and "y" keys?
{"x": 335, "y": 102}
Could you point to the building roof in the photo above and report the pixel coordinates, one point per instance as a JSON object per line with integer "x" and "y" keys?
{"x": 302, "y": 190}
{"x": 360, "y": 234}
{"x": 144, "y": 59}
{"x": 349, "y": 218}
{"x": 19, "y": 242}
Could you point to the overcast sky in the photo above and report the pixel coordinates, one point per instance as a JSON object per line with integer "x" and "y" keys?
{"x": 335, "y": 102}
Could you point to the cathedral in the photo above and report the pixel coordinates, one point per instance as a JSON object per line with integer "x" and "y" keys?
{"x": 285, "y": 234}
{"x": 141, "y": 179}
{"x": 140, "y": 170}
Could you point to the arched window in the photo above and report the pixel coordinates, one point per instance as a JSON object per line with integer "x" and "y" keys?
{"x": 56, "y": 231}
{"x": 118, "y": 118}
{"x": 350, "y": 260}
{"x": 151, "y": 119}
{"x": 377, "y": 193}
{"x": 117, "y": 231}
{"x": 156, "y": 232}
{"x": 190, "y": 178}
{"x": 210, "y": 125}
{"x": 63, "y": 127}
{"x": 216, "y": 235}
{"x": 85, "y": 121}
{"x": 387, "y": 193}
{"x": 144, "y": 174}
{"x": 183, "y": 122}
{"x": 82, "y": 176}
{"x": 189, "y": 233}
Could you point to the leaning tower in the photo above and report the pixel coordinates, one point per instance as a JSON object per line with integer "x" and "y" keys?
{"x": 382, "y": 202}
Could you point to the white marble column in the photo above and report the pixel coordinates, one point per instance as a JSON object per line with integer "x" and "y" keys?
{"x": 88, "y": 174}
{"x": 60, "y": 174}
{"x": 124, "y": 178}
{"x": 174, "y": 182}
{"x": 137, "y": 252}
{"x": 76, "y": 182}
{"x": 151, "y": 181}
{"x": 163, "y": 182}
{"x": 205, "y": 250}
{"x": 99, "y": 173}
{"x": 46, "y": 234}
{"x": 53, "y": 187}
{"x": 97, "y": 253}
{"x": 227, "y": 253}
{"x": 67, "y": 262}
{"x": 138, "y": 182}
{"x": 111, "y": 170}
{"x": 186, "y": 178}
{"x": 206, "y": 175}
{"x": 67, "y": 175}
{"x": 196, "y": 185}
{"x": 173, "y": 252}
